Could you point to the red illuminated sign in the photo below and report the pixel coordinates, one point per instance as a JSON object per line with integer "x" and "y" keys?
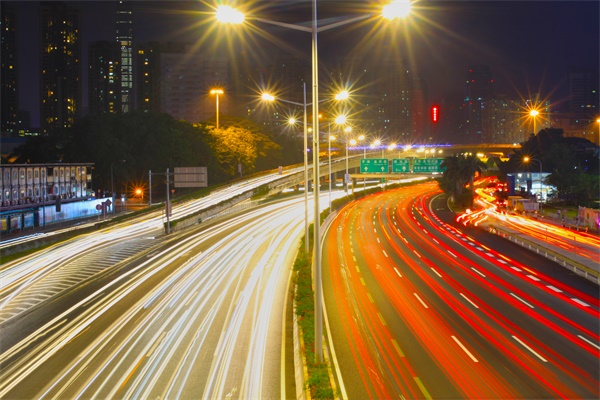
{"x": 435, "y": 114}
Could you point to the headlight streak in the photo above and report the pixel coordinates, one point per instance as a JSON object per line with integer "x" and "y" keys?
{"x": 143, "y": 382}
{"x": 94, "y": 312}
{"x": 26, "y": 267}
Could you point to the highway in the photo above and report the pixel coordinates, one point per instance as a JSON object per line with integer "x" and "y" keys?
{"x": 199, "y": 317}
{"x": 417, "y": 308}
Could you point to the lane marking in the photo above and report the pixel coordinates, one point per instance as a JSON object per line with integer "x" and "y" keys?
{"x": 521, "y": 300}
{"x": 517, "y": 269}
{"x": 465, "y": 349}
{"x": 363, "y": 282}
{"x": 397, "y": 347}
{"x": 478, "y": 272}
{"x": 592, "y": 343}
{"x": 580, "y": 302}
{"x": 384, "y": 253}
{"x": 418, "y": 255}
{"x": 422, "y": 387}
{"x": 530, "y": 349}
{"x": 436, "y": 241}
{"x": 437, "y": 273}
{"x": 469, "y": 300}
{"x": 357, "y": 269}
{"x": 398, "y": 272}
{"x": 422, "y": 302}
{"x": 451, "y": 253}
{"x": 378, "y": 240}
{"x": 535, "y": 278}
{"x": 557, "y": 290}
{"x": 381, "y": 318}
{"x": 370, "y": 298}
{"x": 155, "y": 345}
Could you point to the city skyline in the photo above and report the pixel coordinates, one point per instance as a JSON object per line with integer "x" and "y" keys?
{"x": 530, "y": 55}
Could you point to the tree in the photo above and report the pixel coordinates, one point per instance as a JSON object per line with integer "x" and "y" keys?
{"x": 235, "y": 145}
{"x": 460, "y": 170}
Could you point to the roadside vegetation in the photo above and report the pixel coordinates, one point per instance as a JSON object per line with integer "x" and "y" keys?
{"x": 573, "y": 165}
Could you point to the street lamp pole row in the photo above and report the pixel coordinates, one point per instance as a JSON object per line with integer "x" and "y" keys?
{"x": 396, "y": 9}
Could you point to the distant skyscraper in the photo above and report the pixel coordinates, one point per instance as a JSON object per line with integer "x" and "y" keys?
{"x": 104, "y": 87}
{"x": 478, "y": 89}
{"x": 177, "y": 82}
{"x": 124, "y": 32}
{"x": 501, "y": 121}
{"x": 60, "y": 62}
{"x": 9, "y": 100}
{"x": 583, "y": 94}
{"x": 145, "y": 78}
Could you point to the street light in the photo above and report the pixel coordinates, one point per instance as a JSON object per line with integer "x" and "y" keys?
{"x": 217, "y": 92}
{"x": 331, "y": 137}
{"x": 397, "y": 9}
{"x": 534, "y": 113}
{"x": 526, "y": 159}
{"x": 269, "y": 97}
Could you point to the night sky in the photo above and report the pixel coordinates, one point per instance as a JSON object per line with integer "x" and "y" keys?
{"x": 529, "y": 45}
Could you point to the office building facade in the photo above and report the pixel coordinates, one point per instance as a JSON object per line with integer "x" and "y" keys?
{"x": 60, "y": 62}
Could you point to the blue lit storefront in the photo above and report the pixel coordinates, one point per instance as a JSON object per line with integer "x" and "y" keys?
{"x": 33, "y": 194}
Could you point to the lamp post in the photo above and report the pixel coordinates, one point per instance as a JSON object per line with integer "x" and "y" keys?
{"x": 217, "y": 92}
{"x": 534, "y": 113}
{"x": 526, "y": 160}
{"x": 331, "y": 137}
{"x": 396, "y": 9}
{"x": 269, "y": 97}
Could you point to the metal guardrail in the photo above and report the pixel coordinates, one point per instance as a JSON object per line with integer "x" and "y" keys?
{"x": 561, "y": 259}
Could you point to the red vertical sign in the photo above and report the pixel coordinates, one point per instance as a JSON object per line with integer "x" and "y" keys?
{"x": 435, "y": 114}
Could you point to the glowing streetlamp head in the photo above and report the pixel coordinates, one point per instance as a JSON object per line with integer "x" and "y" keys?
{"x": 377, "y": 142}
{"x": 396, "y": 9}
{"x": 348, "y": 129}
{"x": 534, "y": 113}
{"x": 340, "y": 120}
{"x": 361, "y": 138}
{"x": 331, "y": 137}
{"x": 526, "y": 159}
{"x": 353, "y": 142}
{"x": 229, "y": 15}
{"x": 392, "y": 146}
{"x": 267, "y": 97}
{"x": 343, "y": 95}
{"x": 292, "y": 121}
{"x": 216, "y": 91}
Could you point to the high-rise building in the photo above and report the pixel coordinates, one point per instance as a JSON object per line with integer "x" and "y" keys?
{"x": 145, "y": 78}
{"x": 60, "y": 89}
{"x": 502, "y": 122}
{"x": 421, "y": 130}
{"x": 124, "y": 33}
{"x": 478, "y": 89}
{"x": 9, "y": 100}
{"x": 177, "y": 81}
{"x": 583, "y": 94}
{"x": 104, "y": 86}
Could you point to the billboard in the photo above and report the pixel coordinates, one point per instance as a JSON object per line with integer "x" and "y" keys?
{"x": 190, "y": 177}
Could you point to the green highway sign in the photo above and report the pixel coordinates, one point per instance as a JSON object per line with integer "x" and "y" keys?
{"x": 427, "y": 165}
{"x": 374, "y": 165}
{"x": 400, "y": 165}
